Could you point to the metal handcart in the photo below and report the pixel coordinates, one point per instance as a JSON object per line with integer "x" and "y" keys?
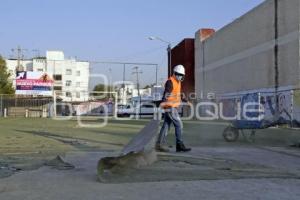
{"x": 285, "y": 113}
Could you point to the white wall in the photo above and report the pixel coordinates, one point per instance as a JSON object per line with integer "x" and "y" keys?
{"x": 55, "y": 55}
{"x": 79, "y": 82}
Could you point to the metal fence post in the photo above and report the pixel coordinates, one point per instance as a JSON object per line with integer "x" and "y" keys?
{"x": 292, "y": 107}
{"x": 1, "y": 105}
{"x": 54, "y": 104}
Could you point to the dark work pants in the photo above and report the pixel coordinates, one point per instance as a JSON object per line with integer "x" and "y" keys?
{"x": 171, "y": 116}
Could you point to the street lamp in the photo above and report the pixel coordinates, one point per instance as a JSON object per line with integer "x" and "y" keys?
{"x": 168, "y": 49}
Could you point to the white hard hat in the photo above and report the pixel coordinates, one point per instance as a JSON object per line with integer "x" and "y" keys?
{"x": 179, "y": 69}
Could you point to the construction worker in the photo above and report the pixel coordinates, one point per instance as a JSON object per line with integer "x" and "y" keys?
{"x": 170, "y": 103}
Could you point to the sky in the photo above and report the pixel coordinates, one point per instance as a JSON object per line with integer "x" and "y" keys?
{"x": 111, "y": 30}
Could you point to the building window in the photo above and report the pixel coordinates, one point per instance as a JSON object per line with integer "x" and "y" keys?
{"x": 68, "y": 72}
{"x": 57, "y": 88}
{"x": 58, "y": 93}
{"x": 77, "y": 94}
{"x": 78, "y": 73}
{"x": 77, "y": 84}
{"x": 68, "y": 83}
{"x": 40, "y": 70}
{"x": 57, "y": 77}
{"x": 68, "y": 94}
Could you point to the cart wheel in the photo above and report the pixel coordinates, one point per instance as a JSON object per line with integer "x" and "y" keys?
{"x": 231, "y": 134}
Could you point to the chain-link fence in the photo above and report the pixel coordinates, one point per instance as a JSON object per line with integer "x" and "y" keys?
{"x": 22, "y": 106}
{"x": 97, "y": 104}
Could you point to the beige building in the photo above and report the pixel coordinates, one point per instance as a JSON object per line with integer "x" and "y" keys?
{"x": 71, "y": 76}
{"x": 243, "y": 56}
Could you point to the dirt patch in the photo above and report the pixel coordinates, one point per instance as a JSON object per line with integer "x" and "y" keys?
{"x": 59, "y": 163}
{"x": 6, "y": 171}
{"x": 182, "y": 168}
{"x": 10, "y": 165}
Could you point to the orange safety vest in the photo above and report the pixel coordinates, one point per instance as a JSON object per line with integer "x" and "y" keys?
{"x": 174, "y": 99}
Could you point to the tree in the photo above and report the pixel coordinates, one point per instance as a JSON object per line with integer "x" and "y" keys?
{"x": 6, "y": 86}
{"x": 104, "y": 89}
{"x": 149, "y": 86}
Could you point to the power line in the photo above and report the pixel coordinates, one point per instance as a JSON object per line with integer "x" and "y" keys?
{"x": 140, "y": 54}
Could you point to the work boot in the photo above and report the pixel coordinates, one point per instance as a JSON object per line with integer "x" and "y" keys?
{"x": 181, "y": 148}
{"x": 161, "y": 148}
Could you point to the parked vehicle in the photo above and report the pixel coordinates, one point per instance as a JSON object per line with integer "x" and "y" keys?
{"x": 145, "y": 109}
{"x": 124, "y": 110}
{"x": 137, "y": 106}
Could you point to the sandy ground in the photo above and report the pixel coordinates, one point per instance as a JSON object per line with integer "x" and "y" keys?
{"x": 266, "y": 169}
{"x": 81, "y": 182}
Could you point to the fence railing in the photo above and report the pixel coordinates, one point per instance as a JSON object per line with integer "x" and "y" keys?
{"x": 28, "y": 106}
{"x": 23, "y": 106}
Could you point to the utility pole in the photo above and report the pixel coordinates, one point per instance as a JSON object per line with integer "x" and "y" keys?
{"x": 110, "y": 81}
{"x": 20, "y": 56}
{"x": 137, "y": 73}
{"x": 169, "y": 50}
{"x": 124, "y": 71}
{"x": 124, "y": 64}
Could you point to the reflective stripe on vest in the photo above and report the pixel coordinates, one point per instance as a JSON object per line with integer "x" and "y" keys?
{"x": 174, "y": 99}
